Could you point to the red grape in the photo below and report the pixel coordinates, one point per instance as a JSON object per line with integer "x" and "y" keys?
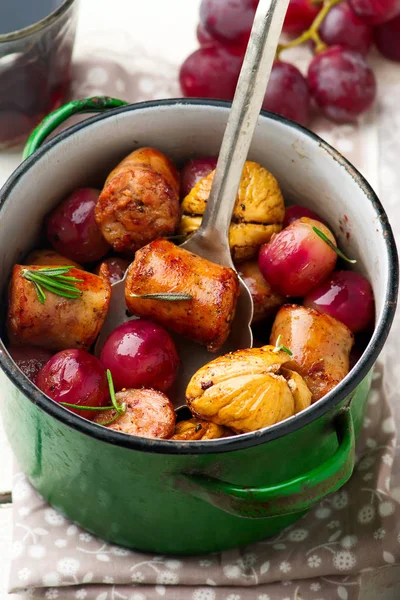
{"x": 72, "y": 229}
{"x": 29, "y": 359}
{"x": 387, "y": 39}
{"x": 299, "y": 16}
{"x": 203, "y": 36}
{"x": 341, "y": 83}
{"x": 342, "y": 27}
{"x": 347, "y": 296}
{"x": 194, "y": 170}
{"x": 294, "y": 212}
{"x": 228, "y": 21}
{"x": 140, "y": 353}
{"x": 375, "y": 12}
{"x": 76, "y": 377}
{"x": 287, "y": 93}
{"x": 113, "y": 269}
{"x": 297, "y": 259}
{"x": 210, "y": 72}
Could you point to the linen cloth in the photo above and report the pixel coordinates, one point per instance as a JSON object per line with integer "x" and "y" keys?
{"x": 321, "y": 556}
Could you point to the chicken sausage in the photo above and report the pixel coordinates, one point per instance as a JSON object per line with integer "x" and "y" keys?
{"x": 162, "y": 267}
{"x": 320, "y": 345}
{"x": 49, "y": 258}
{"x": 59, "y": 323}
{"x": 139, "y": 201}
{"x": 149, "y": 414}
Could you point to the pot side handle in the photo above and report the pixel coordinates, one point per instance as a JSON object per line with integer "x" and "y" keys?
{"x": 294, "y": 496}
{"x": 56, "y": 118}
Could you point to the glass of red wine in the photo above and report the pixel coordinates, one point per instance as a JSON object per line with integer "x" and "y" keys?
{"x": 36, "y": 40}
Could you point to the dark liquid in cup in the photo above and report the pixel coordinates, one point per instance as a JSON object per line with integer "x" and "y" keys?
{"x": 17, "y": 14}
{"x": 34, "y": 69}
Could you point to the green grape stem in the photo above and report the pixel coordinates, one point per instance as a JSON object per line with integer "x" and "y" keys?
{"x": 312, "y": 32}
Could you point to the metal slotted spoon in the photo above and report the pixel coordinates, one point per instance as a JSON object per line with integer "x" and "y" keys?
{"x": 211, "y": 239}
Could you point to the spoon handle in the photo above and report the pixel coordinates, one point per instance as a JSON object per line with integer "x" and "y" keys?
{"x": 242, "y": 120}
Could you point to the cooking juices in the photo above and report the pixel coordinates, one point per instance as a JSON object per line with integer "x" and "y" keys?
{"x": 36, "y": 40}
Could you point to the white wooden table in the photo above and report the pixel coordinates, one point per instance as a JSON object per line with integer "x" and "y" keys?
{"x": 165, "y": 28}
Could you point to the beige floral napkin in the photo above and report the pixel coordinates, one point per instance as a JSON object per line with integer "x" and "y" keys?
{"x": 318, "y": 558}
{"x": 321, "y": 556}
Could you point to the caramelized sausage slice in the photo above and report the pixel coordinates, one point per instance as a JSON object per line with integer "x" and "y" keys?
{"x": 139, "y": 201}
{"x": 320, "y": 345}
{"x": 149, "y": 414}
{"x": 162, "y": 267}
{"x": 60, "y": 323}
{"x": 49, "y": 258}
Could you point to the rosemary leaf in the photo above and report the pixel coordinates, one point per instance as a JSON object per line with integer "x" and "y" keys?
{"x": 334, "y": 248}
{"x": 166, "y": 296}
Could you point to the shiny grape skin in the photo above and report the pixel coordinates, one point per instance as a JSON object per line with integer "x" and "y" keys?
{"x": 228, "y": 21}
{"x": 387, "y": 39}
{"x": 375, "y": 12}
{"x": 203, "y": 36}
{"x": 342, "y": 27}
{"x": 112, "y": 268}
{"x": 210, "y": 72}
{"x": 287, "y": 93}
{"x": 297, "y": 259}
{"x": 76, "y": 377}
{"x": 341, "y": 83}
{"x": 30, "y": 359}
{"x": 72, "y": 230}
{"x": 299, "y": 16}
{"x": 295, "y": 211}
{"x": 347, "y": 296}
{"x": 140, "y": 353}
{"x": 194, "y": 170}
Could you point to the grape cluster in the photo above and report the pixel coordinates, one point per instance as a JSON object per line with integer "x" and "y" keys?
{"x": 339, "y": 83}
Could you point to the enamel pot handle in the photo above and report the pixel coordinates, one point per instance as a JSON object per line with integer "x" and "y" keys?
{"x": 293, "y": 496}
{"x": 56, "y": 118}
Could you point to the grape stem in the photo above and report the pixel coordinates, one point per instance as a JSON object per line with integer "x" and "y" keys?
{"x": 312, "y": 32}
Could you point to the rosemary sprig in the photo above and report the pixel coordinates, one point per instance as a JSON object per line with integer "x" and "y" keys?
{"x": 119, "y": 408}
{"x": 54, "y": 280}
{"x": 167, "y": 296}
{"x": 334, "y": 248}
{"x": 280, "y": 347}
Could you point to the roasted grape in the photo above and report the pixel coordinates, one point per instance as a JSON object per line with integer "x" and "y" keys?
{"x": 295, "y": 211}
{"x": 76, "y": 377}
{"x": 347, "y": 296}
{"x": 140, "y": 353}
{"x": 297, "y": 259}
{"x": 72, "y": 229}
{"x": 194, "y": 170}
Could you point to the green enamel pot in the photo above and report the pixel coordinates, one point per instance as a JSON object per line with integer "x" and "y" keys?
{"x": 190, "y": 497}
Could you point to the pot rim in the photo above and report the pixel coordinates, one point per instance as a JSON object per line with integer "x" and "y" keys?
{"x": 245, "y": 440}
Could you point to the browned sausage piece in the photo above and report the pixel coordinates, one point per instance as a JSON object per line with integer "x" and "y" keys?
{"x": 149, "y": 414}
{"x": 265, "y": 301}
{"x": 139, "y": 201}
{"x": 49, "y": 258}
{"x": 162, "y": 267}
{"x": 320, "y": 344}
{"x": 59, "y": 323}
